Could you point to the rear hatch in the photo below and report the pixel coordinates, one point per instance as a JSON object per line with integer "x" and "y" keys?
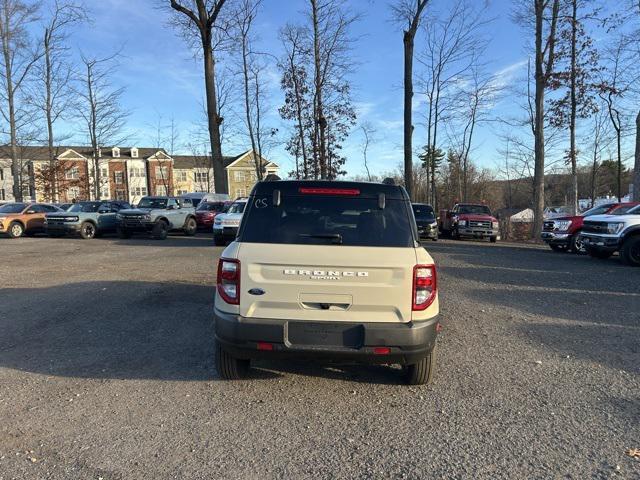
{"x": 327, "y": 257}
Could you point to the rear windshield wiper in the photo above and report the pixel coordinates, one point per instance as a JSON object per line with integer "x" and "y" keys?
{"x": 335, "y": 237}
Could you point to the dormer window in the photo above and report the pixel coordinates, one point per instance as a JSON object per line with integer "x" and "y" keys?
{"x": 134, "y": 152}
{"x": 115, "y": 152}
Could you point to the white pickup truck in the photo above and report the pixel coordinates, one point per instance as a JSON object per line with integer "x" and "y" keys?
{"x": 603, "y": 235}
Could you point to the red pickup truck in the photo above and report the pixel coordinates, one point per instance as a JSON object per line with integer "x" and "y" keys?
{"x": 563, "y": 233}
{"x": 469, "y": 220}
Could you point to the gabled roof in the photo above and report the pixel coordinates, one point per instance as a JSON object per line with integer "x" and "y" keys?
{"x": 39, "y": 153}
{"x": 241, "y": 157}
{"x": 198, "y": 161}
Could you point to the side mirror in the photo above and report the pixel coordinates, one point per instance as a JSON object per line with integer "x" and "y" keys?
{"x": 30, "y": 212}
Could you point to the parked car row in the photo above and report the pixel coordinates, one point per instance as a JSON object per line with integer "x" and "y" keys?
{"x": 156, "y": 216}
{"x": 599, "y": 232}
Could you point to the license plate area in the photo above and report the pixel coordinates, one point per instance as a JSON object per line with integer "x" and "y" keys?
{"x": 325, "y": 334}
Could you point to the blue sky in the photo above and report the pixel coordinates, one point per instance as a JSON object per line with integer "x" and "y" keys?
{"x": 163, "y": 80}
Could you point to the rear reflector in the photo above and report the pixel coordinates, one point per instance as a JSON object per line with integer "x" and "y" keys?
{"x": 265, "y": 346}
{"x": 329, "y": 191}
{"x": 381, "y": 350}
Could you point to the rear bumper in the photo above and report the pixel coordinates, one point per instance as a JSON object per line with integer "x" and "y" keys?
{"x": 555, "y": 238}
{"x": 408, "y": 342}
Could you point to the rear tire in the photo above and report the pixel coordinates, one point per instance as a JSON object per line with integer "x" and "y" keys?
{"x": 421, "y": 373}
{"x": 230, "y": 367}
{"x": 601, "y": 254}
{"x": 87, "y": 230}
{"x": 16, "y": 230}
{"x": 190, "y": 227}
{"x": 630, "y": 251}
{"x": 160, "y": 230}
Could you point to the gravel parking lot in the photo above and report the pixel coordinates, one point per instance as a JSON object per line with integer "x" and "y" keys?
{"x": 107, "y": 371}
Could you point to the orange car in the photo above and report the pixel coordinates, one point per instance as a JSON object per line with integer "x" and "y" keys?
{"x": 18, "y": 219}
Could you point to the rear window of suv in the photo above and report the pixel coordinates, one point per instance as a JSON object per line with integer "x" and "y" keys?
{"x": 328, "y": 220}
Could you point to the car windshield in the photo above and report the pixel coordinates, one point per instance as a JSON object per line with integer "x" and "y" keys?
{"x": 148, "y": 202}
{"x": 474, "y": 210}
{"x": 12, "y": 208}
{"x": 326, "y": 220}
{"x": 599, "y": 210}
{"x": 634, "y": 211}
{"x": 210, "y": 207}
{"x": 625, "y": 209}
{"x": 86, "y": 207}
{"x": 423, "y": 212}
{"x": 237, "y": 207}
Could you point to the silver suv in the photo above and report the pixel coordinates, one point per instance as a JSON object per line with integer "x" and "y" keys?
{"x": 158, "y": 216}
{"x": 327, "y": 270}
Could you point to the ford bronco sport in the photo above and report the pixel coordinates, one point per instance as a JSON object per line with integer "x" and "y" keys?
{"x": 327, "y": 270}
{"x": 88, "y": 219}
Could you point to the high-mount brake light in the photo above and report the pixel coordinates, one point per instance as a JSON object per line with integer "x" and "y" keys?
{"x": 229, "y": 280}
{"x": 424, "y": 286}
{"x": 329, "y": 191}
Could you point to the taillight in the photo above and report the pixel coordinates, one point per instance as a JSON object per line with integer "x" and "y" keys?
{"x": 229, "y": 280}
{"x": 424, "y": 286}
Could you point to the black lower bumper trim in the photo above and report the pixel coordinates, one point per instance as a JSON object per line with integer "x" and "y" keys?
{"x": 407, "y": 342}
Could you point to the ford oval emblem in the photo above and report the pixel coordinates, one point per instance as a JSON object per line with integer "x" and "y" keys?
{"x": 256, "y": 291}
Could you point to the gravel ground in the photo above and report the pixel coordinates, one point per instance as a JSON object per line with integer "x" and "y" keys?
{"x": 107, "y": 371}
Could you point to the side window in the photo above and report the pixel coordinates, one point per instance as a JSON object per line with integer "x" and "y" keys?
{"x": 104, "y": 206}
{"x": 36, "y": 209}
{"x": 172, "y": 203}
{"x": 49, "y": 208}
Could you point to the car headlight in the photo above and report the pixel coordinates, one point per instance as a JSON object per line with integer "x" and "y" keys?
{"x": 118, "y": 216}
{"x": 217, "y": 221}
{"x": 147, "y": 217}
{"x": 434, "y": 224}
{"x": 72, "y": 219}
{"x": 614, "y": 228}
{"x": 562, "y": 225}
{"x": 495, "y": 225}
{"x": 462, "y": 223}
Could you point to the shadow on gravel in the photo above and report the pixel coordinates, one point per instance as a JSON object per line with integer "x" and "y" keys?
{"x": 614, "y": 347}
{"x": 173, "y": 240}
{"x": 131, "y": 330}
{"x": 136, "y": 330}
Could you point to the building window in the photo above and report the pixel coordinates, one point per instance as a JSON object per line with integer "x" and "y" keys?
{"x": 121, "y": 195}
{"x": 104, "y": 173}
{"x": 181, "y": 192}
{"x": 134, "y": 153}
{"x": 162, "y": 172}
{"x": 104, "y": 192}
{"x": 115, "y": 152}
{"x": 139, "y": 191}
{"x": 136, "y": 173}
{"x": 241, "y": 192}
{"x": 73, "y": 173}
{"x": 238, "y": 176}
{"x": 118, "y": 177}
{"x": 73, "y": 192}
{"x": 201, "y": 177}
{"x": 161, "y": 190}
{"x": 181, "y": 175}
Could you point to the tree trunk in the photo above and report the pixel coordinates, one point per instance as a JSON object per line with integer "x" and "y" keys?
{"x": 408, "y": 39}
{"x": 572, "y": 120}
{"x": 321, "y": 121}
{"x": 619, "y": 179}
{"x": 538, "y": 175}
{"x": 16, "y": 172}
{"x": 247, "y": 105}
{"x": 636, "y": 167}
{"x": 214, "y": 120}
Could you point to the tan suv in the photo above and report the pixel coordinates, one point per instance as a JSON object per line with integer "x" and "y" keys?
{"x": 327, "y": 270}
{"x": 18, "y": 219}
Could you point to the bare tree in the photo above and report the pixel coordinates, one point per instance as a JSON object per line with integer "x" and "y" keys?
{"x": 101, "y": 112}
{"x": 53, "y": 92}
{"x": 636, "y": 167}
{"x": 544, "y": 14}
{"x": 367, "y": 137}
{"x": 19, "y": 56}
{"x": 408, "y": 14}
{"x": 198, "y": 24}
